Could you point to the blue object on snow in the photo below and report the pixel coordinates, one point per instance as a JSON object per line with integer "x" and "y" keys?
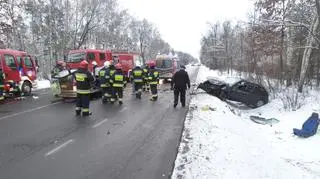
{"x": 309, "y": 127}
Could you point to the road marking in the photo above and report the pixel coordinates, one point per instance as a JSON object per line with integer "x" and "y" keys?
{"x": 121, "y": 110}
{"x": 100, "y": 123}
{"x": 59, "y": 147}
{"x": 27, "y": 111}
{"x": 44, "y": 93}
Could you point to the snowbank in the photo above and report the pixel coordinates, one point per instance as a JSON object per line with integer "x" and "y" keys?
{"x": 42, "y": 84}
{"x": 220, "y": 141}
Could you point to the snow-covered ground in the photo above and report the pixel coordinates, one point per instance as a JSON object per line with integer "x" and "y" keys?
{"x": 220, "y": 140}
{"x": 42, "y": 84}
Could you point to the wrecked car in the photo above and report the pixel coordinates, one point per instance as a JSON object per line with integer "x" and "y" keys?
{"x": 251, "y": 94}
{"x": 68, "y": 87}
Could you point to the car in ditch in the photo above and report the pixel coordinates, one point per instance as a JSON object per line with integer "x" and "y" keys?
{"x": 252, "y": 94}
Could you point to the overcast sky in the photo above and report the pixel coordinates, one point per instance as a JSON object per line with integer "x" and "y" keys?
{"x": 181, "y": 22}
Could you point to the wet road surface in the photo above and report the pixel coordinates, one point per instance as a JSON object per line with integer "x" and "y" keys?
{"x": 44, "y": 140}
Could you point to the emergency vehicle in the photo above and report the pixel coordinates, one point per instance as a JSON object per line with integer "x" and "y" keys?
{"x": 91, "y": 55}
{"x": 94, "y": 58}
{"x": 167, "y": 65}
{"x": 128, "y": 60}
{"x": 18, "y": 67}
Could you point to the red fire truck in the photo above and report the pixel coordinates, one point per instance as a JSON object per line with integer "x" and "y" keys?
{"x": 167, "y": 65}
{"x": 98, "y": 56}
{"x": 18, "y": 67}
{"x": 128, "y": 60}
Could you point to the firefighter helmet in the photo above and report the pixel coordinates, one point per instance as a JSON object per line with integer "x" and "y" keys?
{"x": 151, "y": 63}
{"x": 106, "y": 64}
{"x": 94, "y": 63}
{"x": 84, "y": 64}
{"x": 118, "y": 66}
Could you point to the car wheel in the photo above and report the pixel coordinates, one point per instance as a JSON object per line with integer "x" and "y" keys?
{"x": 259, "y": 103}
{"x": 26, "y": 88}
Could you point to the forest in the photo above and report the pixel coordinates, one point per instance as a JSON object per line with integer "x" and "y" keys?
{"x": 48, "y": 29}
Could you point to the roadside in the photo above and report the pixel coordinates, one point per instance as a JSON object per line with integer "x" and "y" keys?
{"x": 220, "y": 141}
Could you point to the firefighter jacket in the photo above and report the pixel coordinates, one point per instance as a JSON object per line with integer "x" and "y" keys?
{"x": 153, "y": 77}
{"x": 104, "y": 76}
{"x": 137, "y": 74}
{"x": 145, "y": 73}
{"x": 1, "y": 79}
{"x": 111, "y": 73}
{"x": 117, "y": 79}
{"x": 84, "y": 79}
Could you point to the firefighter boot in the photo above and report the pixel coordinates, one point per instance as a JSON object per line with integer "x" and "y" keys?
{"x": 78, "y": 111}
{"x": 85, "y": 114}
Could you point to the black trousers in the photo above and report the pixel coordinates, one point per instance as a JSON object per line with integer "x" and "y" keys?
{"x": 137, "y": 86}
{"x": 83, "y": 102}
{"x": 154, "y": 91}
{"x": 117, "y": 91}
{"x": 182, "y": 93}
{"x": 106, "y": 92}
{"x": 1, "y": 94}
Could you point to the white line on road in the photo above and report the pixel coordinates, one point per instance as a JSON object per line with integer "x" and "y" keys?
{"x": 99, "y": 123}
{"x": 44, "y": 93}
{"x": 121, "y": 110}
{"x": 59, "y": 147}
{"x": 27, "y": 111}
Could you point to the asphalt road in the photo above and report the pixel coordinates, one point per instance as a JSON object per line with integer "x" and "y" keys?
{"x": 44, "y": 140}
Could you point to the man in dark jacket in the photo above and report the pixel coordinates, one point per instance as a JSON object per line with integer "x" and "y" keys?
{"x": 180, "y": 82}
{"x": 84, "y": 79}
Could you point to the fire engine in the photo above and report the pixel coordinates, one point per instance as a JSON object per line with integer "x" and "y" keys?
{"x": 127, "y": 59}
{"x": 20, "y": 68}
{"x": 167, "y": 65}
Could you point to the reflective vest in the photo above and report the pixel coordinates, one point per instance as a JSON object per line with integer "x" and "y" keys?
{"x": 153, "y": 77}
{"x": 83, "y": 79}
{"x": 117, "y": 79}
{"x": 111, "y": 73}
{"x": 137, "y": 75}
{"x": 145, "y": 73}
{"x": 104, "y": 77}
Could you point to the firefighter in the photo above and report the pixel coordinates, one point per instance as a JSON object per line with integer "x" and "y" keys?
{"x": 104, "y": 76}
{"x": 111, "y": 72}
{"x": 118, "y": 81}
{"x": 146, "y": 70}
{"x": 137, "y": 74}
{"x": 1, "y": 85}
{"x": 153, "y": 79}
{"x": 84, "y": 79}
{"x": 180, "y": 82}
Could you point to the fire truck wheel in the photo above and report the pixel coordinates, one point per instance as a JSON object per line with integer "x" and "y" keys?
{"x": 26, "y": 88}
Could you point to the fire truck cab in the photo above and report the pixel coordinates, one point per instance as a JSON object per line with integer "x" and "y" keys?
{"x": 167, "y": 65}
{"x": 67, "y": 83}
{"x": 18, "y": 67}
{"x": 128, "y": 60}
{"x": 91, "y": 55}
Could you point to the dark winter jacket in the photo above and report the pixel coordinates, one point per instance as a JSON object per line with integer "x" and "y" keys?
{"x": 104, "y": 76}
{"x": 84, "y": 79}
{"x": 180, "y": 80}
{"x": 309, "y": 127}
{"x": 118, "y": 79}
{"x": 153, "y": 76}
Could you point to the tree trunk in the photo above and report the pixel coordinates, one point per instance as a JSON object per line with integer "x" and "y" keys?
{"x": 290, "y": 50}
{"x": 307, "y": 53}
